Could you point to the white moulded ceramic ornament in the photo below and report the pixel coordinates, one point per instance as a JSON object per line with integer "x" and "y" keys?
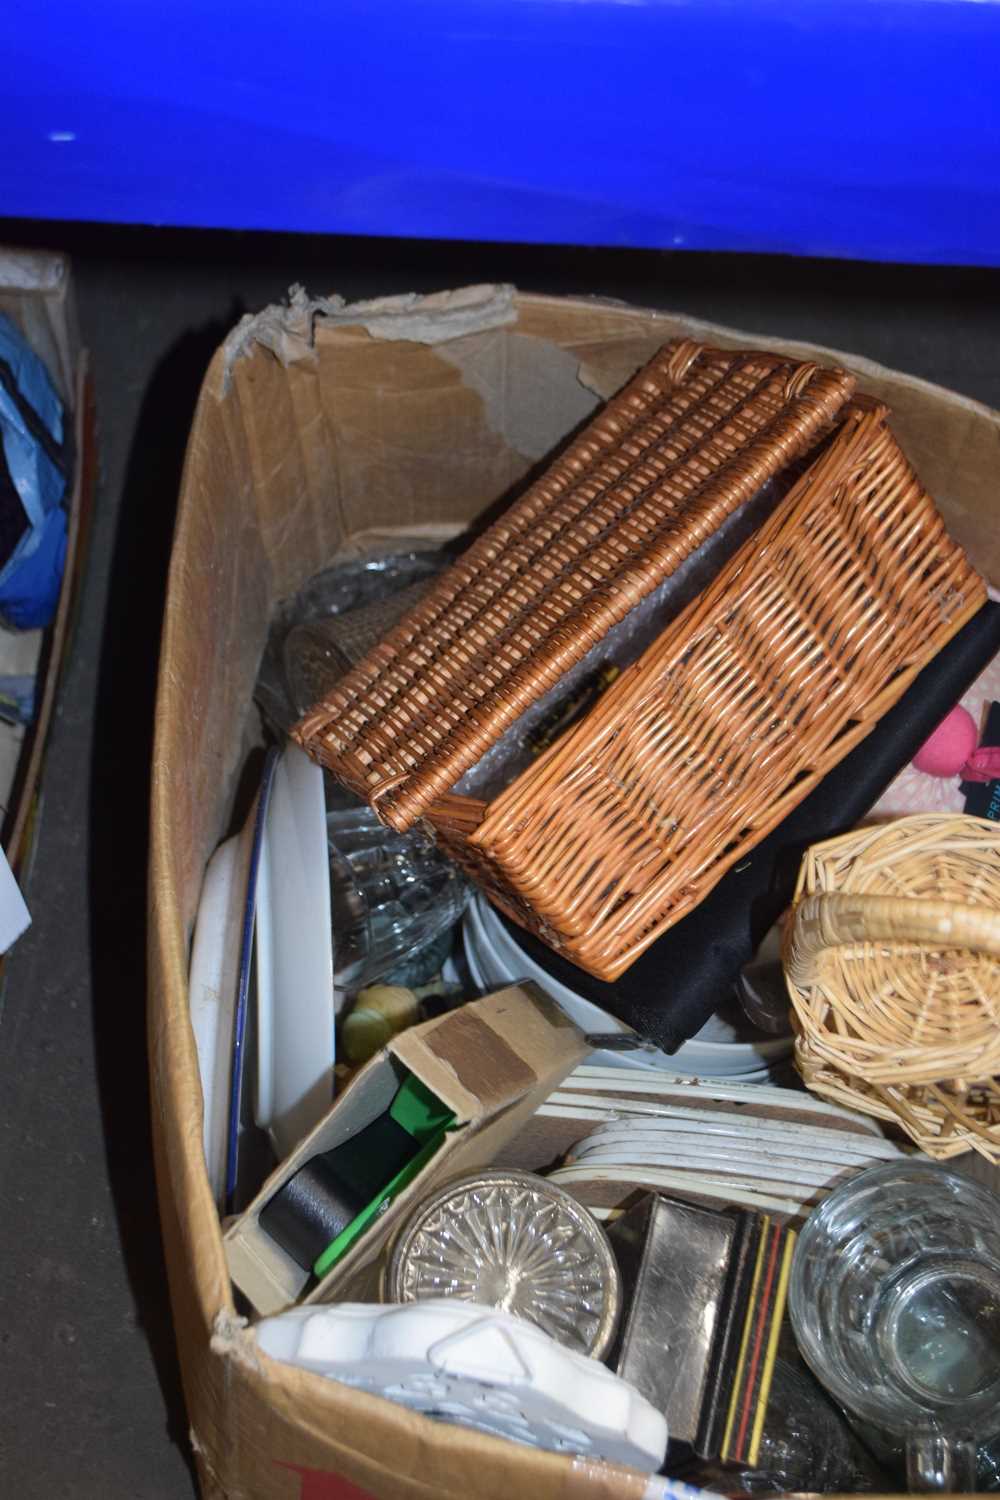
{"x": 478, "y": 1368}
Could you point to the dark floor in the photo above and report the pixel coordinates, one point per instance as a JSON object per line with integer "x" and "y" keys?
{"x": 89, "y": 1382}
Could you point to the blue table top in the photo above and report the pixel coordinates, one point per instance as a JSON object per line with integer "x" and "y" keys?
{"x": 862, "y": 128}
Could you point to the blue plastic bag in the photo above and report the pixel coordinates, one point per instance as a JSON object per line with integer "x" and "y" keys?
{"x": 34, "y": 470}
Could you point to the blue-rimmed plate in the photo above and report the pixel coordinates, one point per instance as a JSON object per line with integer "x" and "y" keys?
{"x": 261, "y": 978}
{"x": 241, "y": 1048}
{"x": 218, "y": 987}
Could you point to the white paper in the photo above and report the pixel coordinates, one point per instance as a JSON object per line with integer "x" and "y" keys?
{"x": 14, "y": 915}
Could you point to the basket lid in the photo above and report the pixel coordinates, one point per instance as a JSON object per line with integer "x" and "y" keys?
{"x": 696, "y": 433}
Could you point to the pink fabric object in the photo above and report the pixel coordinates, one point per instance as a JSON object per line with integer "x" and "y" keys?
{"x": 945, "y": 751}
{"x": 983, "y": 764}
{"x": 913, "y": 791}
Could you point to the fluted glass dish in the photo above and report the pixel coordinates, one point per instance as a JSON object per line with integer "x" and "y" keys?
{"x": 513, "y": 1241}
{"x": 392, "y": 895}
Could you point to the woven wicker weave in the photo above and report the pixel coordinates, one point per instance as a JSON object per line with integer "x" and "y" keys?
{"x": 893, "y": 965}
{"x": 803, "y": 641}
{"x": 695, "y": 434}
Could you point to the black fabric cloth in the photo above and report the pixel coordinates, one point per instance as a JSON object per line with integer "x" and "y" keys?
{"x": 671, "y": 990}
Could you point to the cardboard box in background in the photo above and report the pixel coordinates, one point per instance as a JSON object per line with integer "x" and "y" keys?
{"x": 36, "y": 294}
{"x": 317, "y": 422}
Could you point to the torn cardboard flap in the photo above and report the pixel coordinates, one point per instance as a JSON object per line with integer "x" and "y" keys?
{"x": 36, "y": 294}
{"x": 532, "y": 391}
{"x": 494, "y": 1051}
{"x": 467, "y": 1062}
{"x": 32, "y": 270}
{"x": 287, "y": 331}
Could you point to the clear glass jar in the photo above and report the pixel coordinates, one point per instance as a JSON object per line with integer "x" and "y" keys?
{"x": 895, "y": 1303}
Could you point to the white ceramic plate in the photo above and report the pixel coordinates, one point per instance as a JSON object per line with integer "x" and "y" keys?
{"x": 783, "y": 1136}
{"x": 215, "y": 956}
{"x": 750, "y": 1166}
{"x": 723, "y": 1190}
{"x": 264, "y": 988}
{"x": 494, "y": 959}
{"x": 591, "y": 1082}
{"x": 487, "y": 976}
{"x": 294, "y": 949}
{"x": 218, "y": 989}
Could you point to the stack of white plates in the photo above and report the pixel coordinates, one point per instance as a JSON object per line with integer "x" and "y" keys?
{"x": 719, "y": 1050}
{"x": 777, "y": 1150}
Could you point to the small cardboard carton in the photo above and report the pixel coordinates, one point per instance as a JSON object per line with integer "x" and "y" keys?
{"x": 319, "y": 427}
{"x": 491, "y": 1064}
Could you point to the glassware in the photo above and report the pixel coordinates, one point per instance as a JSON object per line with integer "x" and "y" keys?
{"x": 988, "y": 1465}
{"x": 392, "y": 895}
{"x": 895, "y": 1303}
{"x": 888, "y": 1451}
{"x": 318, "y": 653}
{"x": 352, "y": 605}
{"x": 805, "y": 1447}
{"x": 516, "y": 1242}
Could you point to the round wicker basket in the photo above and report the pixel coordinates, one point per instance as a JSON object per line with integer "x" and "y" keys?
{"x": 893, "y": 966}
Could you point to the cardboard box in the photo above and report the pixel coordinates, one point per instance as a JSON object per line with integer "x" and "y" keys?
{"x": 315, "y": 423}
{"x": 491, "y": 1064}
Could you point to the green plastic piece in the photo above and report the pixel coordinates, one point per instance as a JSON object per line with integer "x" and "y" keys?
{"x": 420, "y": 1112}
{"x": 423, "y": 1116}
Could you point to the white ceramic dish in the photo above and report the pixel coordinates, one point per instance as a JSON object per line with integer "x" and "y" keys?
{"x": 294, "y": 951}
{"x": 218, "y": 991}
{"x": 495, "y": 959}
{"x": 728, "y": 1131}
{"x": 478, "y": 1368}
{"x": 722, "y": 1190}
{"x": 589, "y": 1082}
{"x": 778, "y": 1150}
{"x": 750, "y": 1166}
{"x": 215, "y": 957}
{"x": 817, "y": 1152}
{"x": 263, "y": 978}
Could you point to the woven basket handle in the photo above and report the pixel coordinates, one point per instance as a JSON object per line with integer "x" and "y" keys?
{"x": 835, "y": 919}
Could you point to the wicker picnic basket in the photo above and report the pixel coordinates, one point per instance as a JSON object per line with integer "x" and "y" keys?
{"x": 893, "y": 966}
{"x": 808, "y": 633}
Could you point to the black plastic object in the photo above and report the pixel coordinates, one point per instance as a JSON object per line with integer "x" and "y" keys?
{"x": 982, "y": 798}
{"x": 330, "y": 1191}
{"x": 671, "y": 990}
{"x": 333, "y": 1189}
